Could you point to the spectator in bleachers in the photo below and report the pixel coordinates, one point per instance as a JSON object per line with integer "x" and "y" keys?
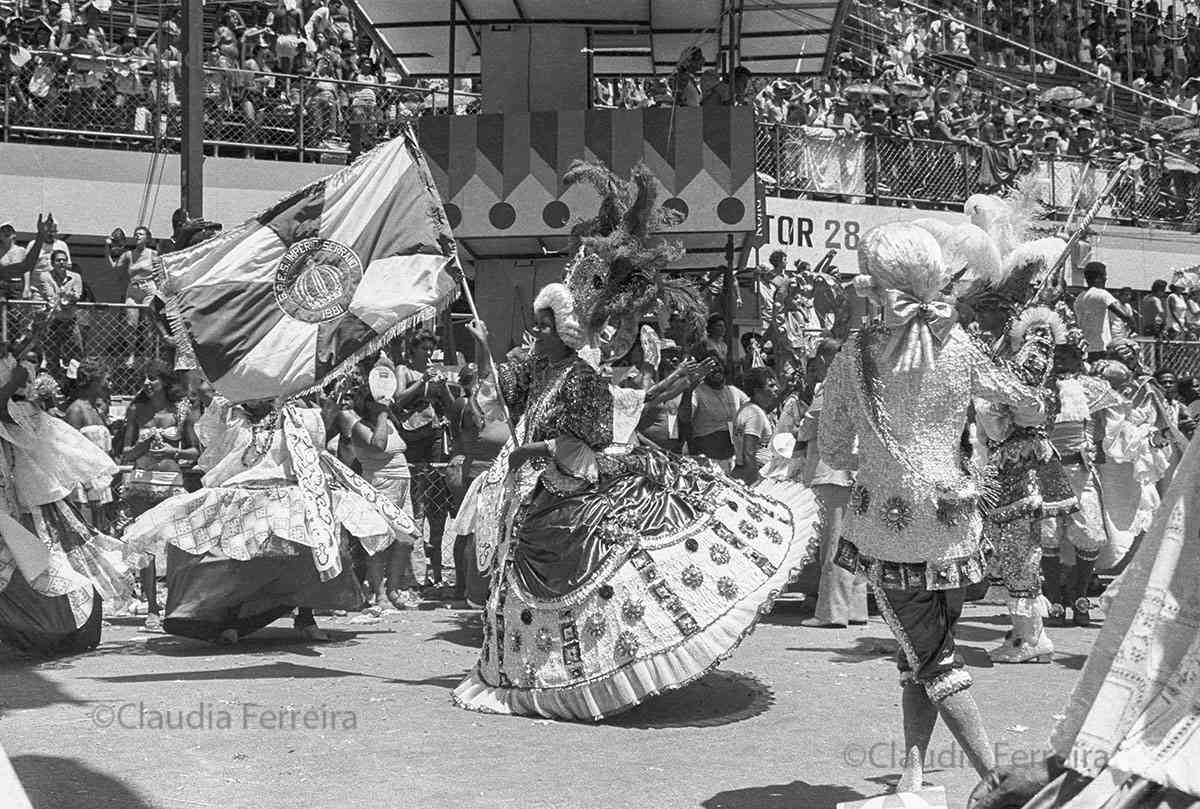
{"x": 137, "y": 265}
{"x": 16, "y": 262}
{"x": 50, "y": 244}
{"x": 61, "y": 288}
{"x": 1153, "y": 310}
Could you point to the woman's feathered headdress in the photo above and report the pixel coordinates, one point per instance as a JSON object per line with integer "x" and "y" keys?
{"x": 616, "y": 275}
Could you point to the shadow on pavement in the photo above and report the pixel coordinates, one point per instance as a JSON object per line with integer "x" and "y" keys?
{"x": 22, "y": 687}
{"x": 718, "y": 698}
{"x": 266, "y": 671}
{"x": 862, "y": 650}
{"x": 466, "y": 629}
{"x": 65, "y": 783}
{"x": 269, "y": 642}
{"x": 447, "y": 681}
{"x": 783, "y": 796}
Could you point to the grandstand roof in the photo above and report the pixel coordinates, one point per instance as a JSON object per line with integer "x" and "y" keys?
{"x": 629, "y": 37}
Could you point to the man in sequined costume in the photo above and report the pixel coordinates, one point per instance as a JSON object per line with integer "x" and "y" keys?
{"x": 903, "y": 390}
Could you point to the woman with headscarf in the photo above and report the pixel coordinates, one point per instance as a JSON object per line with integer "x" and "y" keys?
{"x": 902, "y": 390}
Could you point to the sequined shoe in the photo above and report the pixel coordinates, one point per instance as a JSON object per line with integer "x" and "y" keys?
{"x": 1081, "y": 610}
{"x": 1007, "y": 644}
{"x": 1022, "y": 651}
{"x": 1018, "y": 646}
{"x": 1057, "y": 615}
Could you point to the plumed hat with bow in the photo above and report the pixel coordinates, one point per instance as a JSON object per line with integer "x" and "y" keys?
{"x": 903, "y": 271}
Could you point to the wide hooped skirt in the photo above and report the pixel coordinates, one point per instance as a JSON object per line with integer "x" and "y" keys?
{"x": 632, "y": 588}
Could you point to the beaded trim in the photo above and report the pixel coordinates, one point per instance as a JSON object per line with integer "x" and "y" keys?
{"x": 572, "y": 655}
{"x": 947, "y": 575}
{"x": 948, "y": 684}
{"x": 889, "y": 617}
{"x": 663, "y": 594}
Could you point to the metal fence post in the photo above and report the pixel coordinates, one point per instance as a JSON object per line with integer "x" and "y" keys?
{"x": 965, "y": 156}
{"x": 874, "y": 192}
{"x": 1049, "y": 163}
{"x": 7, "y": 102}
{"x": 300, "y": 127}
{"x": 777, "y": 143}
{"x": 4, "y": 321}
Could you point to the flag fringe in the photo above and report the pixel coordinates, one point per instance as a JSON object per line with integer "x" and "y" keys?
{"x": 375, "y": 344}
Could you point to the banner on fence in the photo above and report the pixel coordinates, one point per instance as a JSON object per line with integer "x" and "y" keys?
{"x": 823, "y": 160}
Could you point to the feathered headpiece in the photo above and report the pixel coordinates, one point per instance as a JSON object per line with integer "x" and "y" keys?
{"x": 970, "y": 255}
{"x": 616, "y": 275}
{"x": 1036, "y": 317}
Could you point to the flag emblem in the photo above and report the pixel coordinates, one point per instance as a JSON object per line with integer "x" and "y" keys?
{"x": 316, "y": 280}
{"x": 330, "y": 274}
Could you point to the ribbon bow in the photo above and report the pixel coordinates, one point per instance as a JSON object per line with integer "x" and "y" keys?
{"x": 915, "y": 326}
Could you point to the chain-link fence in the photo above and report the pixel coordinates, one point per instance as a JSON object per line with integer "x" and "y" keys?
{"x": 124, "y": 340}
{"x": 819, "y": 162}
{"x": 1180, "y": 356}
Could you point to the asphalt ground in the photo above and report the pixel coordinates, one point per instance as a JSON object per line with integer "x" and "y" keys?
{"x": 796, "y": 718}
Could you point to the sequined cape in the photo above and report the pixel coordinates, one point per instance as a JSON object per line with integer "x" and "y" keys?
{"x": 898, "y": 523}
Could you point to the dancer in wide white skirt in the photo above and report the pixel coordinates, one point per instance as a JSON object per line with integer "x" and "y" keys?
{"x": 618, "y": 573}
{"x": 55, "y": 569}
{"x": 269, "y": 531}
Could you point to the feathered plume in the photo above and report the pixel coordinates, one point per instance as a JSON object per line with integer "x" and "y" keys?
{"x": 1007, "y": 220}
{"x": 616, "y": 272}
{"x": 971, "y": 256}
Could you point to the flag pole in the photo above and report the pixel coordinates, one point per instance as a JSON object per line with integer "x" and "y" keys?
{"x": 495, "y": 375}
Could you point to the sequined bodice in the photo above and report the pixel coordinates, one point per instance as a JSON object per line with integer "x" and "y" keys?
{"x": 566, "y": 398}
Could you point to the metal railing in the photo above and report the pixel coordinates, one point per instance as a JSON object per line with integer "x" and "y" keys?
{"x": 130, "y": 102}
{"x": 822, "y": 163}
{"x": 122, "y": 338}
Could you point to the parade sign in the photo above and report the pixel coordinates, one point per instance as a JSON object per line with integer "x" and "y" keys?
{"x": 807, "y": 230}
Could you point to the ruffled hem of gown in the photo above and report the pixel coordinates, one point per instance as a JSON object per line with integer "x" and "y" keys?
{"x": 52, "y": 459}
{"x": 657, "y": 672}
{"x": 243, "y": 523}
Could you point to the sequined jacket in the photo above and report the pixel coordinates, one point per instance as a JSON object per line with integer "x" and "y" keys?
{"x": 898, "y": 510}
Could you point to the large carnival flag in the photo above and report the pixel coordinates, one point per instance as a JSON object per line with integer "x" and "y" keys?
{"x": 298, "y": 294}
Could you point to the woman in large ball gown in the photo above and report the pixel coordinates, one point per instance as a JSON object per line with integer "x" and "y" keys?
{"x": 618, "y": 572}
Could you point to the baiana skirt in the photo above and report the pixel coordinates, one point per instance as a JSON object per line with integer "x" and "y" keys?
{"x": 641, "y": 584}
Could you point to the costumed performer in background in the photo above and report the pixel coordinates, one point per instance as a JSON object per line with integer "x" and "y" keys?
{"x": 1138, "y": 452}
{"x": 902, "y": 390}
{"x": 1130, "y": 736}
{"x": 1078, "y": 428}
{"x": 55, "y": 569}
{"x": 268, "y": 532}
{"x": 616, "y": 576}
